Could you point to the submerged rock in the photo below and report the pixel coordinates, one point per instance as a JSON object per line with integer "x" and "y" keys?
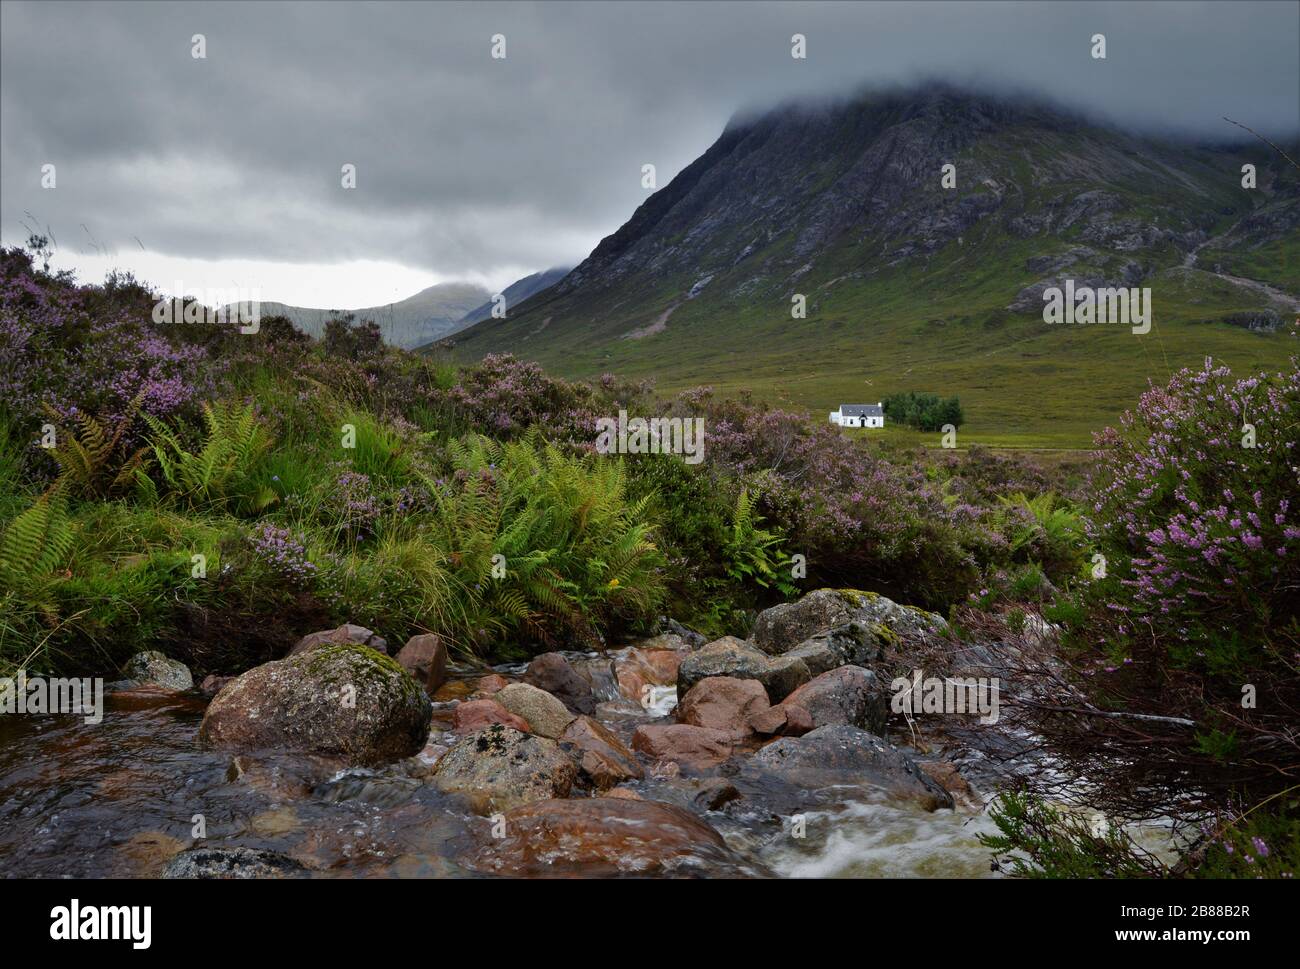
{"x": 607, "y": 836}
{"x": 222, "y": 862}
{"x": 343, "y": 701}
{"x": 499, "y": 768}
{"x": 152, "y": 668}
{"x": 846, "y": 755}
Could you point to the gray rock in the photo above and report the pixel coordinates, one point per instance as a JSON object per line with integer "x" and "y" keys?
{"x": 780, "y": 675}
{"x": 343, "y": 701}
{"x": 848, "y": 695}
{"x": 841, "y": 624}
{"x": 152, "y": 668}
{"x": 221, "y": 862}
{"x": 499, "y": 768}
{"x": 547, "y": 716}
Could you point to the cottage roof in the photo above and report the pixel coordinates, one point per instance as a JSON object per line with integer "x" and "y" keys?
{"x": 861, "y": 410}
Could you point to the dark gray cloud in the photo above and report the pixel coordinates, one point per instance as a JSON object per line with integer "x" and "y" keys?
{"x": 469, "y": 165}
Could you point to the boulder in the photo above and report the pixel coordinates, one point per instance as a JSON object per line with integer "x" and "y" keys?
{"x": 347, "y": 633}
{"x": 845, "y": 755}
{"x": 606, "y": 836}
{"x": 492, "y": 683}
{"x": 855, "y": 626}
{"x": 847, "y": 695}
{"x": 152, "y": 668}
{"x": 723, "y": 703}
{"x": 499, "y": 768}
{"x": 652, "y": 663}
{"x": 551, "y": 672}
{"x": 229, "y": 863}
{"x": 343, "y": 701}
{"x": 602, "y": 758}
{"x": 425, "y": 658}
{"x": 213, "y": 683}
{"x": 545, "y": 714}
{"x": 476, "y": 714}
{"x": 780, "y": 675}
{"x": 681, "y": 743}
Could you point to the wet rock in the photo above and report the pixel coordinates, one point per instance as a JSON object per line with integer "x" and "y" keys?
{"x": 671, "y": 627}
{"x": 606, "y": 836}
{"x": 492, "y": 683}
{"x": 476, "y": 714}
{"x": 343, "y": 701}
{"x": 683, "y": 744}
{"x": 652, "y": 663}
{"x": 545, "y": 714}
{"x": 219, "y": 862}
{"x": 424, "y": 657}
{"x": 713, "y": 793}
{"x": 947, "y": 776}
{"x": 723, "y": 703}
{"x": 212, "y": 684}
{"x": 842, "y": 754}
{"x": 152, "y": 668}
{"x": 347, "y": 633}
{"x": 602, "y": 758}
{"x": 499, "y": 768}
{"x": 551, "y": 672}
{"x": 847, "y": 695}
{"x": 780, "y": 675}
{"x": 857, "y": 627}
{"x": 624, "y": 792}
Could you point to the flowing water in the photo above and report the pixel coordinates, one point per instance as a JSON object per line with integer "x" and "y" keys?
{"x": 121, "y": 797}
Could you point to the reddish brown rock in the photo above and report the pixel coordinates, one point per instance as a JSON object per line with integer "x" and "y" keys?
{"x": 347, "y": 633}
{"x": 947, "y": 776}
{"x": 212, "y": 684}
{"x": 605, "y": 836}
{"x": 684, "y": 744}
{"x": 769, "y": 721}
{"x": 425, "y": 658}
{"x": 602, "y": 758}
{"x": 638, "y": 668}
{"x": 624, "y": 792}
{"x": 492, "y": 683}
{"x": 551, "y": 672}
{"x": 723, "y": 703}
{"x": 476, "y": 714}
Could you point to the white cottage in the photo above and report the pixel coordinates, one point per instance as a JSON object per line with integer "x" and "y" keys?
{"x": 859, "y": 415}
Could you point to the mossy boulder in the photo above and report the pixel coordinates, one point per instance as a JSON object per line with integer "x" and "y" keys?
{"x": 843, "y": 626}
{"x": 152, "y": 668}
{"x": 499, "y": 768}
{"x": 344, "y": 701}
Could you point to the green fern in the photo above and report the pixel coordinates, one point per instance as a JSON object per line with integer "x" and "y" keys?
{"x": 93, "y": 461}
{"x": 36, "y": 542}
{"x": 219, "y": 473}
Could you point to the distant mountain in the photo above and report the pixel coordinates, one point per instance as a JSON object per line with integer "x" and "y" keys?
{"x": 910, "y": 285}
{"x": 428, "y": 315}
{"x": 517, "y": 292}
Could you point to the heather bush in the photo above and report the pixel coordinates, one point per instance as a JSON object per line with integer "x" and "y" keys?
{"x": 1197, "y": 509}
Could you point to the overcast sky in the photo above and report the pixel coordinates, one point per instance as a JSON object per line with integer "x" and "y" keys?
{"x": 225, "y": 171}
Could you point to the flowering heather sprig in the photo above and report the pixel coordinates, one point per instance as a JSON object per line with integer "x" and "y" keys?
{"x": 284, "y": 553}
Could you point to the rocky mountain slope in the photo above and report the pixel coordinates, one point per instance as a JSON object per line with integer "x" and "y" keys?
{"x": 912, "y": 285}
{"x": 516, "y": 293}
